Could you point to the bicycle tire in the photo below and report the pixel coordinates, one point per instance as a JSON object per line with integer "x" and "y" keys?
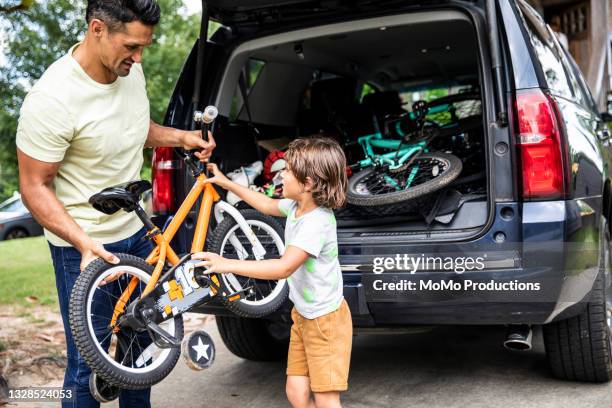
{"x": 452, "y": 171}
{"x": 219, "y": 238}
{"x": 89, "y": 348}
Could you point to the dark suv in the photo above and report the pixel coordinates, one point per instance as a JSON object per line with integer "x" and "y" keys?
{"x": 522, "y": 236}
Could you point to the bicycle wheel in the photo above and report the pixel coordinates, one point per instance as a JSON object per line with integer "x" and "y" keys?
{"x": 265, "y": 296}
{"x": 127, "y": 358}
{"x": 429, "y": 172}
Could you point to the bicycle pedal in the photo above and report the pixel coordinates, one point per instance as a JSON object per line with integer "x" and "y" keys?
{"x": 233, "y": 297}
{"x": 198, "y": 350}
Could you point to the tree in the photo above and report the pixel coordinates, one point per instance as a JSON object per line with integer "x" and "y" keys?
{"x": 32, "y": 38}
{"x": 16, "y": 7}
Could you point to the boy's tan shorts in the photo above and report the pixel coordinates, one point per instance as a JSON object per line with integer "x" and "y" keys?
{"x": 321, "y": 349}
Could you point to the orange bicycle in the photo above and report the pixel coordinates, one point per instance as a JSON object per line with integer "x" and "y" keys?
{"x": 129, "y": 330}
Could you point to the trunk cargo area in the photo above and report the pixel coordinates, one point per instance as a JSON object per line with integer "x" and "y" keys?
{"x": 347, "y": 81}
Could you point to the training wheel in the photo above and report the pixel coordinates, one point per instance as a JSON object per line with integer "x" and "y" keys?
{"x": 198, "y": 350}
{"x": 101, "y": 390}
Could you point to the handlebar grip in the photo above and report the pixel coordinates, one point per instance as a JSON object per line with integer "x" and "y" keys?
{"x": 205, "y": 128}
{"x": 205, "y": 118}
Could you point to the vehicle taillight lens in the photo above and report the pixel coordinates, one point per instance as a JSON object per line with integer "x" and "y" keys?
{"x": 164, "y": 165}
{"x": 541, "y": 146}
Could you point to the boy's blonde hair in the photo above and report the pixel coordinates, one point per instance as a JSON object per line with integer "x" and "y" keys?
{"x": 323, "y": 160}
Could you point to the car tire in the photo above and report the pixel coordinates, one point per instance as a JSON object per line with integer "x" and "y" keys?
{"x": 16, "y": 233}
{"x": 252, "y": 339}
{"x": 354, "y": 197}
{"x": 580, "y": 348}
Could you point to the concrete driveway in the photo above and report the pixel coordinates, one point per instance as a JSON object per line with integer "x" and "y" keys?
{"x": 446, "y": 367}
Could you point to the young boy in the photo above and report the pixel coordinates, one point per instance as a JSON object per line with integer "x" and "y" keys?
{"x": 314, "y": 183}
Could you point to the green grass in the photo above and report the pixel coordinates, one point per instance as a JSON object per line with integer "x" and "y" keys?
{"x": 26, "y": 269}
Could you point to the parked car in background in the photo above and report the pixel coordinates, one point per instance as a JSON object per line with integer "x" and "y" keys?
{"x": 16, "y": 221}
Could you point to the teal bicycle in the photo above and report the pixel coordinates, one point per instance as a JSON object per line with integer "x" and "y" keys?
{"x": 405, "y": 169}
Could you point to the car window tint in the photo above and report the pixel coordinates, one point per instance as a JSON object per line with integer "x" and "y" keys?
{"x": 581, "y": 94}
{"x": 366, "y": 89}
{"x": 549, "y": 56}
{"x": 581, "y": 85}
{"x": 252, "y": 70}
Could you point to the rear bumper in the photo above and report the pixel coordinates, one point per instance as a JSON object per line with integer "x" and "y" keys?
{"x": 552, "y": 246}
{"x": 542, "y": 270}
{"x": 443, "y": 308}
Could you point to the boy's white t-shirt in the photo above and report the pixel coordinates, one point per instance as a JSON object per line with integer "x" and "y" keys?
{"x": 97, "y": 131}
{"x": 316, "y": 287}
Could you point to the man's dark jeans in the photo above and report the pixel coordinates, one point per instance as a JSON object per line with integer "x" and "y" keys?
{"x": 66, "y": 262}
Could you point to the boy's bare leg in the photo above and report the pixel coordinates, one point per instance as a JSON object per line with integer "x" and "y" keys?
{"x": 329, "y": 399}
{"x": 298, "y": 391}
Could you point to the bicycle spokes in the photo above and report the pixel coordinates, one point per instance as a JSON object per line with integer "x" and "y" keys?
{"x": 124, "y": 346}
{"x": 385, "y": 182}
{"x": 239, "y": 247}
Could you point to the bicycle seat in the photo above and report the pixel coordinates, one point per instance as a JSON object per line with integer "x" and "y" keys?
{"x": 123, "y": 196}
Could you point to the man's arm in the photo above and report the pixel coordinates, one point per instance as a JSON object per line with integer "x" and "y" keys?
{"x": 35, "y": 179}
{"x": 163, "y": 136}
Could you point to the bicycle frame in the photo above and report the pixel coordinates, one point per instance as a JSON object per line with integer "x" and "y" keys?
{"x": 393, "y": 159}
{"x": 396, "y": 158}
{"x": 163, "y": 250}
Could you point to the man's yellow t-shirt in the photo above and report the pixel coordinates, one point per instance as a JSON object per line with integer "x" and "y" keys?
{"x": 97, "y": 131}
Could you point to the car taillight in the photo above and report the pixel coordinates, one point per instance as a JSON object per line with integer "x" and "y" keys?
{"x": 541, "y": 146}
{"x": 163, "y": 167}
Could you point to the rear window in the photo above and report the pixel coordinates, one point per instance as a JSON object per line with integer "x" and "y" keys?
{"x": 251, "y": 71}
{"x": 445, "y": 114}
{"x": 558, "y": 79}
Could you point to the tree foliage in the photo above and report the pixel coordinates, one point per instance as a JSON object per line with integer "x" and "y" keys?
{"x": 35, "y": 36}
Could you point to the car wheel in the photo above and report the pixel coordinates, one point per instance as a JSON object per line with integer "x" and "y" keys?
{"x": 16, "y": 233}
{"x": 580, "y": 348}
{"x": 254, "y": 339}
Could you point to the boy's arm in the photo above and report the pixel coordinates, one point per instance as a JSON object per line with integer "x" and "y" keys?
{"x": 268, "y": 269}
{"x": 259, "y": 201}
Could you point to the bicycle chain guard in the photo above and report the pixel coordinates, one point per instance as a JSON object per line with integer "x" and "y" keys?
{"x": 180, "y": 294}
{"x": 186, "y": 287}
{"x": 191, "y": 285}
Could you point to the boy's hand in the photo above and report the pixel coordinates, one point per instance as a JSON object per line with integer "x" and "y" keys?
{"x": 218, "y": 177}
{"x": 212, "y": 262}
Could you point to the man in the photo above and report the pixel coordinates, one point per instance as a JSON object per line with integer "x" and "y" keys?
{"x": 82, "y": 128}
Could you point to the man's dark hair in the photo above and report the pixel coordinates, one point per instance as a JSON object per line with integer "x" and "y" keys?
{"x": 115, "y": 13}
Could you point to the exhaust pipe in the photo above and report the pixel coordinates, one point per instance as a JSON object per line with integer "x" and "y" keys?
{"x": 518, "y": 337}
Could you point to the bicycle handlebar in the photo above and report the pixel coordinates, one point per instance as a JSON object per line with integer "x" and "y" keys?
{"x": 205, "y": 119}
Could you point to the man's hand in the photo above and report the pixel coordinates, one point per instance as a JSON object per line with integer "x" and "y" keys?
{"x": 193, "y": 140}
{"x": 95, "y": 250}
{"x": 212, "y": 262}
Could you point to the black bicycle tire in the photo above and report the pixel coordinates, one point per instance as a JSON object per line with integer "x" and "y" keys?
{"x": 216, "y": 240}
{"x": 85, "y": 343}
{"x": 451, "y": 173}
